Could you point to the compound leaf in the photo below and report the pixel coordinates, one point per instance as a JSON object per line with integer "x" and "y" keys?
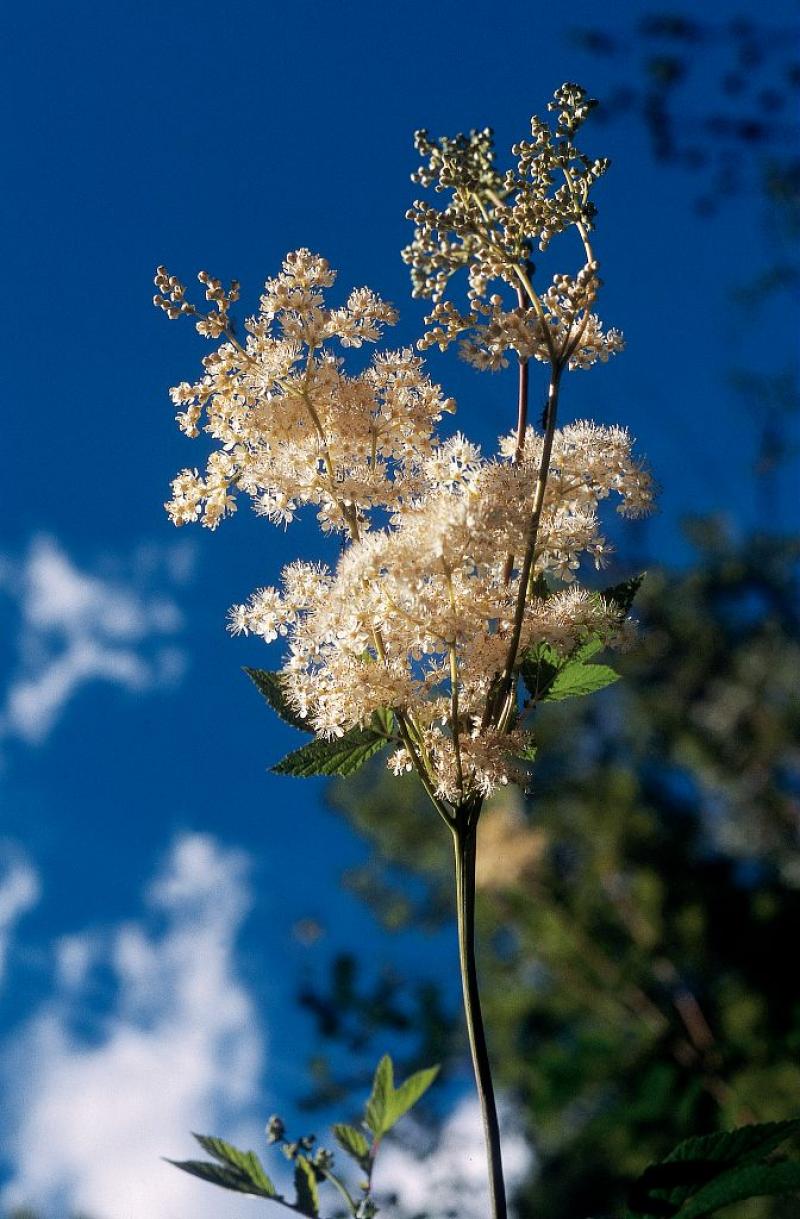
{"x": 226, "y": 1176}
{"x": 353, "y": 1142}
{"x": 577, "y": 679}
{"x": 388, "y": 1104}
{"x": 342, "y": 756}
{"x": 378, "y": 1103}
{"x": 409, "y": 1092}
{"x": 744, "y": 1181}
{"x": 305, "y": 1182}
{"x": 270, "y": 687}
{"x": 621, "y": 596}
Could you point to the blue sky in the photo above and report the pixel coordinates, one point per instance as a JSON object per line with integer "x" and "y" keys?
{"x": 221, "y": 137}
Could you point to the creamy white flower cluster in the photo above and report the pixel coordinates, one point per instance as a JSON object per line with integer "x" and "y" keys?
{"x": 490, "y": 222}
{"x": 417, "y": 615}
{"x": 293, "y": 427}
{"x": 490, "y": 225}
{"x": 457, "y": 569}
{"x": 564, "y": 324}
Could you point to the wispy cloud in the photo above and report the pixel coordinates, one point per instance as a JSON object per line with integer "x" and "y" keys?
{"x": 450, "y": 1178}
{"x": 75, "y": 627}
{"x": 181, "y": 1049}
{"x": 19, "y": 891}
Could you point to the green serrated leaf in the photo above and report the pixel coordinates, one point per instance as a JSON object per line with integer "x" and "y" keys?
{"x": 737, "y": 1146}
{"x": 223, "y": 1175}
{"x": 342, "y": 756}
{"x": 387, "y": 1104}
{"x": 409, "y": 1092}
{"x": 270, "y": 686}
{"x": 577, "y": 679}
{"x": 245, "y": 1162}
{"x": 539, "y": 670}
{"x": 353, "y": 1142}
{"x": 622, "y": 595}
{"x": 378, "y": 1104}
{"x": 743, "y": 1181}
{"x": 528, "y": 751}
{"x": 662, "y": 1188}
{"x": 587, "y": 650}
{"x": 255, "y": 1171}
{"x": 383, "y": 721}
{"x": 305, "y": 1182}
{"x": 697, "y": 1162}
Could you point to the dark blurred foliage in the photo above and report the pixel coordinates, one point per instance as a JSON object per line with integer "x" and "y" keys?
{"x": 745, "y": 136}
{"x": 639, "y": 916}
{"x": 352, "y": 1015}
{"x": 744, "y": 142}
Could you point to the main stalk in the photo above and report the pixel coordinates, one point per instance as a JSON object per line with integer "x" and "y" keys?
{"x": 464, "y": 842}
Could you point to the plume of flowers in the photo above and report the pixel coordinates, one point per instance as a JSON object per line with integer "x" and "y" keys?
{"x": 416, "y": 615}
{"x": 293, "y": 427}
{"x": 455, "y": 566}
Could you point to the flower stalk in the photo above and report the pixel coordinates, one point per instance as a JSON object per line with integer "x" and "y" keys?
{"x": 498, "y": 704}
{"x": 464, "y": 847}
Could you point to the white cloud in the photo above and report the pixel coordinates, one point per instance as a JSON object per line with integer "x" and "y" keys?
{"x": 74, "y": 957}
{"x": 180, "y": 1050}
{"x": 89, "y": 1114}
{"x": 450, "y": 1178}
{"x": 78, "y": 627}
{"x": 19, "y": 891}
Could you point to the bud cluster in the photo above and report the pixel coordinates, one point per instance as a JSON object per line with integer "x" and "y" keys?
{"x": 491, "y": 225}
{"x": 171, "y": 297}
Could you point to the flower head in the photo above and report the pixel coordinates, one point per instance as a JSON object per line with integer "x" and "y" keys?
{"x": 457, "y": 569}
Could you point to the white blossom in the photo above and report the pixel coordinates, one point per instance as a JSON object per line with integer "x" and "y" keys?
{"x": 424, "y": 614}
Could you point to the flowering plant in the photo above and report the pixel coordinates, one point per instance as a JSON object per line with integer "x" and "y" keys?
{"x": 454, "y": 607}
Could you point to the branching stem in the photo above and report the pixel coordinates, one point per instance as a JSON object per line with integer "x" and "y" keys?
{"x": 522, "y": 427}
{"x": 342, "y": 1188}
{"x": 496, "y": 704}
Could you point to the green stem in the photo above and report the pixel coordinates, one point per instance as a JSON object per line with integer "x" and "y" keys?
{"x": 464, "y": 842}
{"x": 532, "y": 533}
{"x": 334, "y": 1180}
